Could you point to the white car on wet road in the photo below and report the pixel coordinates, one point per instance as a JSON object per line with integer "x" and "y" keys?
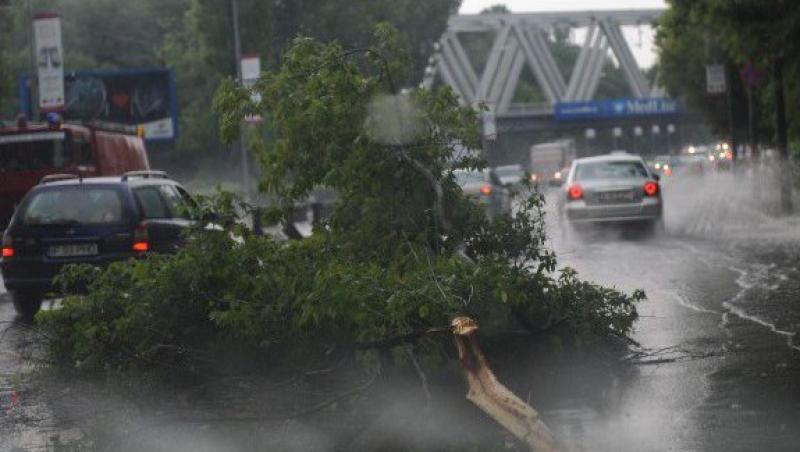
{"x": 613, "y": 188}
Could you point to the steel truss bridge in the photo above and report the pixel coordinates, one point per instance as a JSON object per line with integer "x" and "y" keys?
{"x": 521, "y": 40}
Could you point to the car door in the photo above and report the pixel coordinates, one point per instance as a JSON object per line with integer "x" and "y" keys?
{"x": 162, "y": 216}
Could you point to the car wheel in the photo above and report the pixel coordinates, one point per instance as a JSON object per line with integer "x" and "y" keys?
{"x": 27, "y": 303}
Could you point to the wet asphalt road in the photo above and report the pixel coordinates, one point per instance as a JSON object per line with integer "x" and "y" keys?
{"x": 718, "y": 368}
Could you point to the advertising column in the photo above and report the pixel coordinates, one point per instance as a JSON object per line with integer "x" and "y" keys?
{"x": 49, "y": 61}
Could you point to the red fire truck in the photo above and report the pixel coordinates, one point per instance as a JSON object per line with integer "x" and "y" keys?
{"x": 29, "y": 152}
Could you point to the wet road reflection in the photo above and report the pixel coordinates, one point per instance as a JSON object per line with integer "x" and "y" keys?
{"x": 718, "y": 367}
{"x": 722, "y": 285}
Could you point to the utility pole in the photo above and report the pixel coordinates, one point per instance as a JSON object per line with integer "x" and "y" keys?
{"x": 731, "y": 113}
{"x": 783, "y": 141}
{"x": 750, "y": 77}
{"x": 751, "y": 123}
{"x": 241, "y": 142}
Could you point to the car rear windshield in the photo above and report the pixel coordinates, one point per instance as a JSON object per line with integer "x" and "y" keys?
{"x": 74, "y": 205}
{"x": 610, "y": 170}
{"x": 34, "y": 151}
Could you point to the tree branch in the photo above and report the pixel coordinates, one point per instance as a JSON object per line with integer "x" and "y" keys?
{"x": 494, "y": 399}
{"x": 394, "y": 341}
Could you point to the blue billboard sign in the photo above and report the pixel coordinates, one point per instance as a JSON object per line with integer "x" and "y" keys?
{"x": 135, "y": 97}
{"x": 616, "y": 108}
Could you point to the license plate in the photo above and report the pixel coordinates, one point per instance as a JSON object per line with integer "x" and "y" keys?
{"x": 616, "y": 196}
{"x": 73, "y": 250}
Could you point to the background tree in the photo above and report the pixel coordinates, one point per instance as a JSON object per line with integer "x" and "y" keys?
{"x": 746, "y": 32}
{"x": 685, "y": 47}
{"x": 5, "y": 32}
{"x": 195, "y": 38}
{"x": 693, "y": 33}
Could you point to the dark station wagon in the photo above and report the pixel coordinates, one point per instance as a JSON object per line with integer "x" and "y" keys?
{"x": 67, "y": 219}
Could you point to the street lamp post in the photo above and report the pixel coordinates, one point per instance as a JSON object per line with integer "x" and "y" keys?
{"x": 242, "y": 148}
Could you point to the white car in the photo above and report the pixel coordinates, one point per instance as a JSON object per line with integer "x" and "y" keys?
{"x": 613, "y": 188}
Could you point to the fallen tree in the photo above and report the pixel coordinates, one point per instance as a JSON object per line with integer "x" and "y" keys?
{"x": 402, "y": 253}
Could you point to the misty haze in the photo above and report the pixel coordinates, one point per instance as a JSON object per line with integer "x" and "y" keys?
{"x": 441, "y": 225}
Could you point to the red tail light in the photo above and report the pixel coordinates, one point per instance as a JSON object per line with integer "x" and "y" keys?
{"x": 141, "y": 238}
{"x": 650, "y": 188}
{"x": 486, "y": 190}
{"x": 575, "y": 192}
{"x": 8, "y": 249}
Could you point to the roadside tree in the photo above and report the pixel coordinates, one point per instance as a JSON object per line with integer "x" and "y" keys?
{"x": 402, "y": 254}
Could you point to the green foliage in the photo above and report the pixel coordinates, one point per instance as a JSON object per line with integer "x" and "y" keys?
{"x": 334, "y": 126}
{"x": 403, "y": 251}
{"x": 5, "y": 73}
{"x": 685, "y": 47}
{"x": 194, "y": 37}
{"x": 96, "y": 34}
{"x": 307, "y": 296}
{"x": 692, "y": 34}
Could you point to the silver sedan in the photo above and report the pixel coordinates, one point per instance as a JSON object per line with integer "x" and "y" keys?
{"x": 613, "y": 188}
{"x": 485, "y": 189}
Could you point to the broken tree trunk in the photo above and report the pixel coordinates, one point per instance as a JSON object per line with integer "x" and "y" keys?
{"x": 492, "y": 397}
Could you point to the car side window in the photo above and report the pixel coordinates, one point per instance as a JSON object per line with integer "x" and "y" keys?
{"x": 152, "y": 202}
{"x": 175, "y": 201}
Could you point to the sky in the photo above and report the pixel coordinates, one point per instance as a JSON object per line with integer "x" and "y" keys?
{"x": 640, "y": 40}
